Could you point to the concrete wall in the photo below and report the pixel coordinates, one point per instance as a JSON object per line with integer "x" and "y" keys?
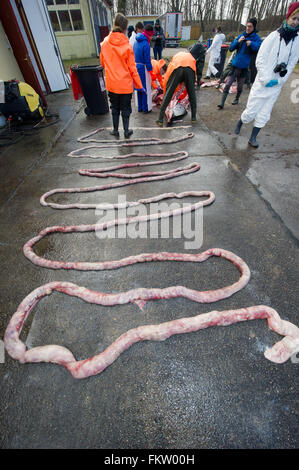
{"x": 9, "y": 68}
{"x": 77, "y": 45}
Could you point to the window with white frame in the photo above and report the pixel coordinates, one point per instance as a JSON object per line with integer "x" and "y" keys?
{"x": 65, "y": 15}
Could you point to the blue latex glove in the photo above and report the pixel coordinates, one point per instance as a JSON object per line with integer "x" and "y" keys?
{"x": 142, "y": 90}
{"x": 272, "y": 83}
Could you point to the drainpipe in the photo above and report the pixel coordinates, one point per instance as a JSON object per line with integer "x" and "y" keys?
{"x": 93, "y": 28}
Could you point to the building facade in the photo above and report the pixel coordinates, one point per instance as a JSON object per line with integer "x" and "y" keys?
{"x": 80, "y": 25}
{"x": 28, "y": 47}
{"x": 145, "y": 19}
{"x": 9, "y": 69}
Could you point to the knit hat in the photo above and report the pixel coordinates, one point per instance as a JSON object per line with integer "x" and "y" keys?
{"x": 292, "y": 9}
{"x": 196, "y": 50}
{"x": 253, "y": 21}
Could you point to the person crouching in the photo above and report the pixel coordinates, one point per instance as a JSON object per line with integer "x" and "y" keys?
{"x": 157, "y": 74}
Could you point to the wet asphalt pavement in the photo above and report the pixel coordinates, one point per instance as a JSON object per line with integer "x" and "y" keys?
{"x": 210, "y": 389}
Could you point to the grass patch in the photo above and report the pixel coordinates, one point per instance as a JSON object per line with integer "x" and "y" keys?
{"x": 187, "y": 43}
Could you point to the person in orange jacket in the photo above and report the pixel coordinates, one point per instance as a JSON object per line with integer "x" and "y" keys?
{"x": 159, "y": 69}
{"x": 117, "y": 58}
{"x": 182, "y": 69}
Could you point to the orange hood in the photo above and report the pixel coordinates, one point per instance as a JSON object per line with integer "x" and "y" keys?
{"x": 116, "y": 39}
{"x": 117, "y": 58}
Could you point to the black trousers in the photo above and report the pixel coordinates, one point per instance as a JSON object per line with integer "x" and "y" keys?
{"x": 239, "y": 75}
{"x": 180, "y": 75}
{"x": 120, "y": 103}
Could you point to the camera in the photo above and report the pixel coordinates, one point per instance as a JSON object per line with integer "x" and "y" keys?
{"x": 281, "y": 69}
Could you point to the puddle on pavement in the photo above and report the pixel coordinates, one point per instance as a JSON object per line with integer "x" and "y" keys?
{"x": 45, "y": 245}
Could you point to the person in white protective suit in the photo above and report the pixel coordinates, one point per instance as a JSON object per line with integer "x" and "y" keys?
{"x": 276, "y": 60}
{"x": 215, "y": 53}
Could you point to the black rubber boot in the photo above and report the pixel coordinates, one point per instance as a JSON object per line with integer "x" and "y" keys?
{"x": 127, "y": 131}
{"x": 115, "y": 120}
{"x": 236, "y": 100}
{"x": 128, "y": 134}
{"x": 238, "y": 127}
{"x": 252, "y": 141}
{"x": 224, "y": 96}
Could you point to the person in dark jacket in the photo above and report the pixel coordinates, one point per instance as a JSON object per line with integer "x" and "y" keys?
{"x": 245, "y": 45}
{"x": 158, "y": 40}
{"x": 199, "y": 51}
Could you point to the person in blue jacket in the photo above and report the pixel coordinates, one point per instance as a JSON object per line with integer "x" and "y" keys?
{"x": 245, "y": 45}
{"x": 144, "y": 66}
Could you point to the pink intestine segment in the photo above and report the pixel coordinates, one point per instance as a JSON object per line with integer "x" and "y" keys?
{"x": 279, "y": 353}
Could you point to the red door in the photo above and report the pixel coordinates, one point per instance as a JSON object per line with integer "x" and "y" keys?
{"x": 18, "y": 45}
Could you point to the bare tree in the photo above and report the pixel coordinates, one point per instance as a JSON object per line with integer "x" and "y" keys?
{"x": 121, "y": 6}
{"x": 207, "y": 12}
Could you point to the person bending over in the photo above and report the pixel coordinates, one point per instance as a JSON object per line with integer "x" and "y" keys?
{"x": 182, "y": 69}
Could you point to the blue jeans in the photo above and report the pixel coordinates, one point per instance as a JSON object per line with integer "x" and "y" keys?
{"x": 158, "y": 52}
